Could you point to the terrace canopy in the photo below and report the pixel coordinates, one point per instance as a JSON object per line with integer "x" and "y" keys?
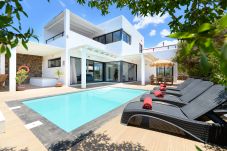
{"x": 164, "y": 70}
{"x": 161, "y": 63}
{"x": 33, "y": 49}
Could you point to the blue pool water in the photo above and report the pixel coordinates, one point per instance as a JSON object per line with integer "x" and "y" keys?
{"x": 71, "y": 111}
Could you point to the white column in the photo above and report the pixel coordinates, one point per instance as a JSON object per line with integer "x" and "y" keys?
{"x": 83, "y": 68}
{"x": 12, "y": 70}
{"x": 2, "y": 63}
{"x": 142, "y": 69}
{"x": 67, "y": 51}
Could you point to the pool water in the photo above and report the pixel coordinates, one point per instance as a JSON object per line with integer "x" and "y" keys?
{"x": 73, "y": 110}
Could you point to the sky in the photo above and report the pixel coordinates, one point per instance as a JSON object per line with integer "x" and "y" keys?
{"x": 154, "y": 29}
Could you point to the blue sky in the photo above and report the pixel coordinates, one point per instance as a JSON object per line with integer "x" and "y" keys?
{"x": 154, "y": 29}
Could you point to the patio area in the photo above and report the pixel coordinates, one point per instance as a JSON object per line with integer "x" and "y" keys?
{"x": 110, "y": 136}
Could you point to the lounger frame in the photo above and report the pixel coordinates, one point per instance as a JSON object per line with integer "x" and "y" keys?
{"x": 204, "y": 132}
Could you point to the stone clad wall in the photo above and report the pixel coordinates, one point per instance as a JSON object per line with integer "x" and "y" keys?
{"x": 33, "y": 62}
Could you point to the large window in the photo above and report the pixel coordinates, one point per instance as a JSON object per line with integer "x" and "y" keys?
{"x": 126, "y": 37}
{"x": 102, "y": 39}
{"x": 54, "y": 63}
{"x": 116, "y": 71}
{"x": 140, "y": 48}
{"x": 75, "y": 73}
{"x": 114, "y": 37}
{"x": 117, "y": 36}
{"x": 98, "y": 71}
{"x": 129, "y": 72}
{"x": 113, "y": 71}
{"x": 109, "y": 38}
{"x": 164, "y": 71}
{"x": 94, "y": 70}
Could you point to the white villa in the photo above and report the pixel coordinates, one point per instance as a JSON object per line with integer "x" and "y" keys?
{"x": 86, "y": 53}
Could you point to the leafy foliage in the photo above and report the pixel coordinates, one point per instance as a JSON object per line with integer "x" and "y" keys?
{"x": 21, "y": 76}
{"x": 189, "y": 62}
{"x": 59, "y": 73}
{"x": 11, "y": 35}
{"x": 210, "y": 42}
{"x": 197, "y": 148}
{"x": 195, "y": 12}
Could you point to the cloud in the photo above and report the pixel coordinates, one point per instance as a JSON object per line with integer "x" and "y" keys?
{"x": 143, "y": 21}
{"x": 164, "y": 33}
{"x": 152, "y": 32}
{"x": 62, "y": 3}
{"x": 167, "y": 42}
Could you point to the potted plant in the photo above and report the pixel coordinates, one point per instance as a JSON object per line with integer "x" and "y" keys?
{"x": 21, "y": 76}
{"x": 59, "y": 74}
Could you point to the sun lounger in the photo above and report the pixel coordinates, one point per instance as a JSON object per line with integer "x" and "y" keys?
{"x": 184, "y": 99}
{"x": 183, "y": 120}
{"x": 185, "y": 90}
{"x": 180, "y": 86}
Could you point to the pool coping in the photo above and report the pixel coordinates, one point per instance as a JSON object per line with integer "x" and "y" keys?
{"x": 50, "y": 134}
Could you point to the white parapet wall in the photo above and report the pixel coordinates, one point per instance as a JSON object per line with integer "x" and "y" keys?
{"x": 43, "y": 82}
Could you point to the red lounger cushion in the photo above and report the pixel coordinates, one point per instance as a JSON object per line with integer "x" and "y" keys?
{"x": 158, "y": 94}
{"x": 162, "y": 88}
{"x": 162, "y": 85}
{"x": 147, "y": 103}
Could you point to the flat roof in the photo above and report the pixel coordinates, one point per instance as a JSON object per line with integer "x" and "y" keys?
{"x": 38, "y": 49}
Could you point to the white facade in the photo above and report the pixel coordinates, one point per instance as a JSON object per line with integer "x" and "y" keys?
{"x": 67, "y": 35}
{"x": 122, "y": 47}
{"x": 80, "y": 36}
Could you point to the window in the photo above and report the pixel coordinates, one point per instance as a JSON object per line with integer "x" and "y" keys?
{"x": 114, "y": 37}
{"x": 126, "y": 38}
{"x": 164, "y": 71}
{"x": 140, "y": 48}
{"x": 117, "y": 36}
{"x": 102, "y": 39}
{"x": 129, "y": 72}
{"x": 54, "y": 63}
{"x": 96, "y": 39}
{"x": 109, "y": 38}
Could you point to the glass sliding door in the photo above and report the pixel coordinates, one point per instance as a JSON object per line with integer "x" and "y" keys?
{"x": 169, "y": 71}
{"x": 129, "y": 72}
{"x": 132, "y": 72}
{"x": 160, "y": 71}
{"x": 75, "y": 67}
{"x": 125, "y": 72}
{"x": 98, "y": 71}
{"x": 116, "y": 71}
{"x": 164, "y": 71}
{"x": 90, "y": 71}
{"x": 113, "y": 71}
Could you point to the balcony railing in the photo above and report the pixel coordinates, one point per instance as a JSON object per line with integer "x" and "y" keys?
{"x": 168, "y": 47}
{"x": 55, "y": 37}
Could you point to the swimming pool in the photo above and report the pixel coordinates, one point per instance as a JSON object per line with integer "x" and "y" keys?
{"x": 73, "y": 110}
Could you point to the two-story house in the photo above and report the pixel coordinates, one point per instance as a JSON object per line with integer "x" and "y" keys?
{"x": 86, "y": 53}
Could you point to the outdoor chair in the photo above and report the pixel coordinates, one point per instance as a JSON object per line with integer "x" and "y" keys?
{"x": 184, "y": 120}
